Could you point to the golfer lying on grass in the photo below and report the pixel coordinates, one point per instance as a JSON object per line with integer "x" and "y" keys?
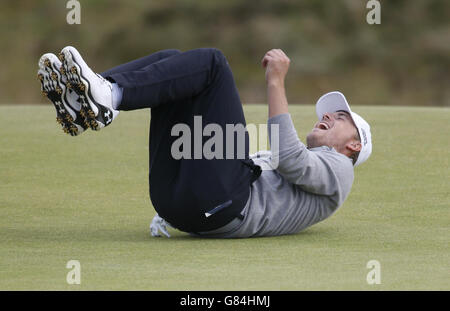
{"x": 230, "y": 195}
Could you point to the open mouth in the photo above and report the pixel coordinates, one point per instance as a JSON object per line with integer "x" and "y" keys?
{"x": 323, "y": 126}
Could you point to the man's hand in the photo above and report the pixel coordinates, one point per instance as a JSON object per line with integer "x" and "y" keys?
{"x": 276, "y": 64}
{"x": 159, "y": 224}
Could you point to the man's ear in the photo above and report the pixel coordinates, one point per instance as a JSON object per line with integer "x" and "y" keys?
{"x": 354, "y": 146}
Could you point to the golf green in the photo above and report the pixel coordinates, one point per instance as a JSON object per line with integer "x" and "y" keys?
{"x": 86, "y": 198}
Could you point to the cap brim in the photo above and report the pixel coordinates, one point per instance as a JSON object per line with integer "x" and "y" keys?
{"x": 332, "y": 102}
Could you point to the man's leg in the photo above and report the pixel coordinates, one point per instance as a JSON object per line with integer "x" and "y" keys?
{"x": 183, "y": 76}
{"x": 200, "y": 83}
{"x": 141, "y": 62}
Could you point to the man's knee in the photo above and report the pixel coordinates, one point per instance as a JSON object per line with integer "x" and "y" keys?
{"x": 217, "y": 62}
{"x": 169, "y": 52}
{"x": 213, "y": 55}
{"x": 220, "y": 58}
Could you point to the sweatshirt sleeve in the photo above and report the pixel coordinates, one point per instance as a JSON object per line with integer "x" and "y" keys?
{"x": 325, "y": 172}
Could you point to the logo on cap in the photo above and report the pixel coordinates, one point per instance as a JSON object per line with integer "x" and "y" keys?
{"x": 364, "y": 135}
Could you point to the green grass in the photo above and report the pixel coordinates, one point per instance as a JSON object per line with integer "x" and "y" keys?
{"x": 86, "y": 198}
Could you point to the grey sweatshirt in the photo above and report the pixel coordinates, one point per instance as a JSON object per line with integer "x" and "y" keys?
{"x": 304, "y": 188}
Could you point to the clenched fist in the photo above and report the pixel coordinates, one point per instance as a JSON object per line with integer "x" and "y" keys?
{"x": 277, "y": 65}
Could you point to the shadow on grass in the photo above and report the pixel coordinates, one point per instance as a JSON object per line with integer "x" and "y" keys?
{"x": 83, "y": 234}
{"x": 320, "y": 234}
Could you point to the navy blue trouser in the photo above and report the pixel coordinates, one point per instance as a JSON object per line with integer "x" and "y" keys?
{"x": 178, "y": 86}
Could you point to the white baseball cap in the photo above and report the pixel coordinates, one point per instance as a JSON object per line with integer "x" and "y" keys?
{"x": 335, "y": 101}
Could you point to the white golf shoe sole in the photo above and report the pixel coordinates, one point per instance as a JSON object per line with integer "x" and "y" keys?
{"x": 54, "y": 88}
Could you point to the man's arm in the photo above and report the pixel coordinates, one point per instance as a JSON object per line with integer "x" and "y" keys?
{"x": 326, "y": 173}
{"x": 277, "y": 65}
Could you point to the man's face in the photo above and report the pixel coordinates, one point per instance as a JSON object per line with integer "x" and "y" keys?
{"x": 335, "y": 130}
